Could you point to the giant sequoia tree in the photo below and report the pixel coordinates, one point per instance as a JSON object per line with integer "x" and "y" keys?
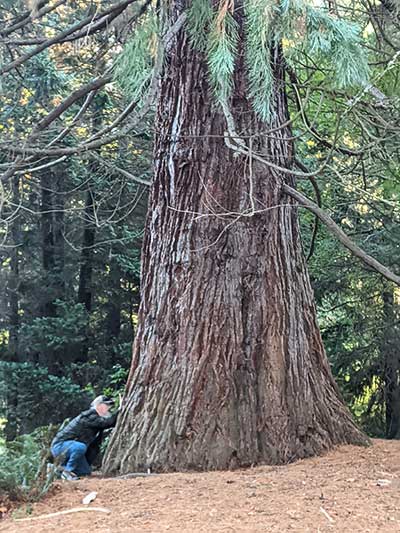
{"x": 228, "y": 365}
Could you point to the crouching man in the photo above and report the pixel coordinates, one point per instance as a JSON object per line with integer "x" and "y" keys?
{"x": 78, "y": 443}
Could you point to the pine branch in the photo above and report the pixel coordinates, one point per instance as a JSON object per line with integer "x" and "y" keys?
{"x": 199, "y": 21}
{"x": 221, "y": 52}
{"x": 332, "y": 41}
{"x": 134, "y": 66}
{"x": 95, "y": 143}
{"x": 259, "y": 27}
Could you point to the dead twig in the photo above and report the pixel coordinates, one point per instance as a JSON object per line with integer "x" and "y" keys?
{"x": 67, "y": 511}
{"x": 328, "y": 516}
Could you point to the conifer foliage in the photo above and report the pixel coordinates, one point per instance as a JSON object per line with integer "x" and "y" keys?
{"x": 213, "y": 26}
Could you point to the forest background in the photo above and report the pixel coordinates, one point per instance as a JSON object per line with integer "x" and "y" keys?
{"x": 76, "y": 130}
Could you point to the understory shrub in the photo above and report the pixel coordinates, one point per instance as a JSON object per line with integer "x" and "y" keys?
{"x": 30, "y": 397}
{"x": 24, "y": 475}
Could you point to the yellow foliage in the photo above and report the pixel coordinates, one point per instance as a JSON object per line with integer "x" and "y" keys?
{"x": 287, "y": 43}
{"x": 56, "y": 100}
{"x": 348, "y": 141}
{"x": 346, "y": 221}
{"x": 26, "y": 94}
{"x": 81, "y": 131}
{"x": 368, "y": 30}
{"x": 362, "y": 208}
{"x": 50, "y": 32}
{"x": 396, "y": 295}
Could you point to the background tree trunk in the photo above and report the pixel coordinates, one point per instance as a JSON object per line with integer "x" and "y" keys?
{"x": 48, "y": 246}
{"x": 114, "y": 301}
{"x": 53, "y": 256}
{"x": 390, "y": 354}
{"x": 85, "y": 291}
{"x": 228, "y": 365}
{"x": 13, "y": 284}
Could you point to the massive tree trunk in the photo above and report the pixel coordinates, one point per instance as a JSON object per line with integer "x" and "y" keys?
{"x": 228, "y": 365}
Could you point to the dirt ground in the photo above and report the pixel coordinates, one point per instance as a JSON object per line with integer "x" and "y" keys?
{"x": 350, "y": 489}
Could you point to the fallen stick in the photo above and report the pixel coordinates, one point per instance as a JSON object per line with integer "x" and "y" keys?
{"x": 326, "y": 514}
{"x": 68, "y": 511}
{"x": 131, "y": 475}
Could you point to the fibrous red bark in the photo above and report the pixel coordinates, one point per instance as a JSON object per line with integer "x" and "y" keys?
{"x": 228, "y": 364}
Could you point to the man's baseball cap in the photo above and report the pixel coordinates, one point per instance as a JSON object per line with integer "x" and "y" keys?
{"x": 103, "y": 399}
{"x": 107, "y": 400}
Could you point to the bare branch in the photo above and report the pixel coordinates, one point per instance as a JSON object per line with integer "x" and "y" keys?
{"x": 314, "y": 184}
{"x": 95, "y": 144}
{"x": 71, "y": 99}
{"x": 80, "y": 113}
{"x": 128, "y": 175}
{"x": 340, "y": 234}
{"x": 104, "y": 19}
{"x": 304, "y": 201}
{"x": 309, "y": 126}
{"x": 27, "y": 17}
{"x": 42, "y": 167}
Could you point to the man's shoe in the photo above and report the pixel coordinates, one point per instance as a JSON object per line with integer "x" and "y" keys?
{"x": 69, "y": 476}
{"x": 53, "y": 471}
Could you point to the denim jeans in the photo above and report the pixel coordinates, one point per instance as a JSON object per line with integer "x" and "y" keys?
{"x": 74, "y": 459}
